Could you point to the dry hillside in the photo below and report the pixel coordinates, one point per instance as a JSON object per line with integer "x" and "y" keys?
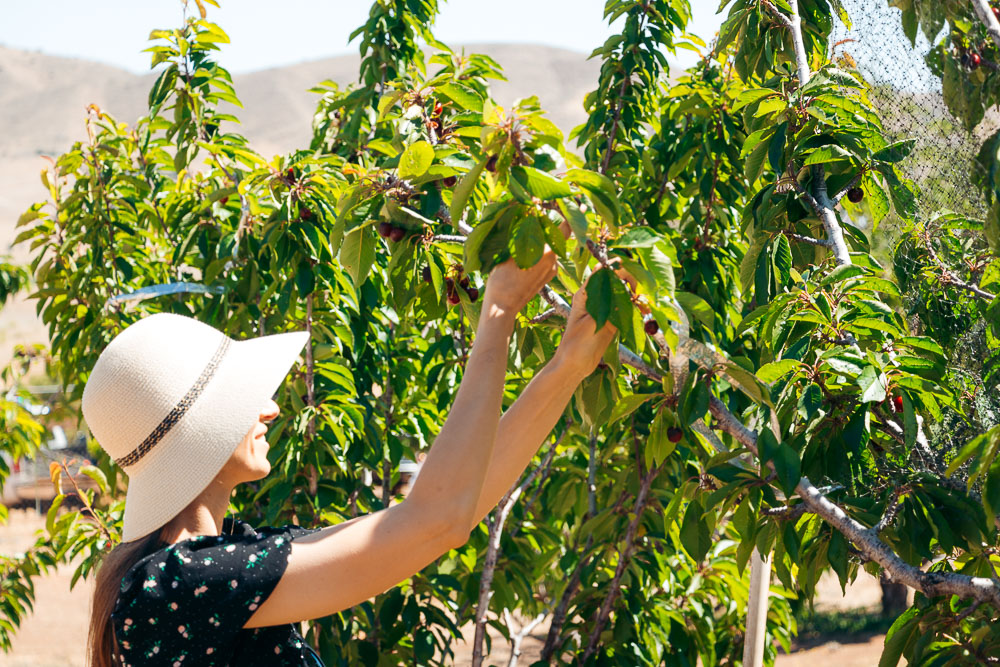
{"x": 43, "y": 98}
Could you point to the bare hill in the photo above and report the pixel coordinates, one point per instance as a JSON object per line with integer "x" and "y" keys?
{"x": 43, "y": 101}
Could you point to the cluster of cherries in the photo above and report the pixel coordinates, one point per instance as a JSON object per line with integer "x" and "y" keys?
{"x": 450, "y": 286}
{"x": 387, "y": 230}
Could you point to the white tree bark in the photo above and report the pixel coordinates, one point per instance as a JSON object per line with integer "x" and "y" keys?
{"x": 988, "y": 19}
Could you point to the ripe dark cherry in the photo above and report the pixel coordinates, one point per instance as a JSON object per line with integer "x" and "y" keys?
{"x": 897, "y": 402}
{"x": 305, "y": 214}
{"x": 464, "y": 282}
{"x": 491, "y": 164}
{"x": 450, "y": 182}
{"x": 224, "y": 201}
{"x": 674, "y": 434}
{"x": 473, "y": 294}
{"x": 453, "y": 298}
{"x": 856, "y": 195}
{"x": 975, "y": 60}
{"x": 397, "y": 234}
{"x": 449, "y": 285}
{"x": 996, "y": 12}
{"x": 384, "y": 229}
{"x": 651, "y": 327}
{"x": 426, "y": 274}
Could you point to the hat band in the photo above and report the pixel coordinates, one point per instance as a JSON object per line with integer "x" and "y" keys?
{"x": 179, "y": 410}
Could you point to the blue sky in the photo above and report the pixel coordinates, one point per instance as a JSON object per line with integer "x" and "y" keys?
{"x": 266, "y": 33}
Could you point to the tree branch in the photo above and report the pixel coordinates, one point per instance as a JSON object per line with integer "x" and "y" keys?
{"x": 807, "y": 239}
{"x": 929, "y": 583}
{"x": 623, "y": 560}
{"x": 782, "y": 19}
{"x": 986, "y": 16}
{"x": 518, "y": 637}
{"x": 493, "y": 549}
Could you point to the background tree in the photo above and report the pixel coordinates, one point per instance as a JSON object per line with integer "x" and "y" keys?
{"x": 766, "y": 389}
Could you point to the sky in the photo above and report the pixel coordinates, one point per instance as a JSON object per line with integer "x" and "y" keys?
{"x": 266, "y": 33}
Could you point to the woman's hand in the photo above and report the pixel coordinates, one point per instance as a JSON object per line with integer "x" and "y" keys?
{"x": 583, "y": 345}
{"x": 510, "y": 288}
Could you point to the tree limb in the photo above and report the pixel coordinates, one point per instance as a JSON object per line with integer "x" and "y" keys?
{"x": 985, "y": 14}
{"x": 929, "y": 583}
{"x": 624, "y": 558}
{"x": 504, "y": 507}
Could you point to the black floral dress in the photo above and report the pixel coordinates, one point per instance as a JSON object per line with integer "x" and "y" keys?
{"x": 185, "y": 605}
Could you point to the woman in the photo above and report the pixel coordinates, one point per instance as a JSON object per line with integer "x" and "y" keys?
{"x": 171, "y": 400}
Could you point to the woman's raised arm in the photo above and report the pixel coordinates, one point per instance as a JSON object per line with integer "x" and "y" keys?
{"x": 341, "y": 566}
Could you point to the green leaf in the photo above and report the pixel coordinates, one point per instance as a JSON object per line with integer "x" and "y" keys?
{"x": 810, "y": 401}
{"x": 357, "y": 254}
{"x": 464, "y": 190}
{"x": 528, "y": 241}
{"x": 462, "y": 95}
{"x": 873, "y": 385}
{"x": 627, "y": 405}
{"x": 895, "y": 152}
{"x": 696, "y": 537}
{"x": 776, "y": 370}
{"x": 842, "y": 273}
{"x": 788, "y": 466}
{"x": 748, "y": 266}
{"x": 599, "y": 296}
{"x": 751, "y": 96}
{"x": 904, "y": 630}
{"x": 830, "y": 153}
{"x": 540, "y": 184}
{"x": 416, "y": 160}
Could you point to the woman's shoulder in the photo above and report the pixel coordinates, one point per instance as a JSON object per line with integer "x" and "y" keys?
{"x": 239, "y": 550}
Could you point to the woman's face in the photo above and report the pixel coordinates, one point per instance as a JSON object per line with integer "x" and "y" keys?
{"x": 249, "y": 461}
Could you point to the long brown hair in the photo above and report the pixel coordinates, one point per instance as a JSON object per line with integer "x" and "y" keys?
{"x": 102, "y": 650}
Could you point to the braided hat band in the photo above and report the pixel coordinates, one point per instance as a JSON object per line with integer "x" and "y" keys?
{"x": 179, "y": 410}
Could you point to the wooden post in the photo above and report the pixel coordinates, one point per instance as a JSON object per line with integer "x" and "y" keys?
{"x": 760, "y": 584}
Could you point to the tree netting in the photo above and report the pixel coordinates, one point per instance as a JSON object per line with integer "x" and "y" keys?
{"x": 910, "y": 90}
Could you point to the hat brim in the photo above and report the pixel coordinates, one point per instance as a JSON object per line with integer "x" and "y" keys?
{"x": 188, "y": 458}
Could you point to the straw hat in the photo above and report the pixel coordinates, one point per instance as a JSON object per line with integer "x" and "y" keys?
{"x": 170, "y": 398}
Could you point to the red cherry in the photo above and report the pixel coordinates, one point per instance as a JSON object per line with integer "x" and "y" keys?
{"x": 674, "y": 434}
{"x": 491, "y": 164}
{"x": 975, "y": 60}
{"x": 652, "y": 327}
{"x": 397, "y": 233}
{"x": 473, "y": 294}
{"x": 449, "y": 285}
{"x": 855, "y": 194}
{"x": 453, "y": 298}
{"x": 897, "y": 403}
{"x": 449, "y": 182}
{"x": 305, "y": 214}
{"x": 464, "y": 282}
{"x": 426, "y": 274}
{"x": 438, "y": 109}
{"x": 291, "y": 173}
{"x": 384, "y": 229}
{"x": 224, "y": 201}
{"x": 996, "y": 13}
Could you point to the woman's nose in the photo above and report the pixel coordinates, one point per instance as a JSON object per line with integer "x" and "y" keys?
{"x": 270, "y": 411}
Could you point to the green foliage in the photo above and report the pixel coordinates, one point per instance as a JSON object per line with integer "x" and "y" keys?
{"x": 639, "y": 528}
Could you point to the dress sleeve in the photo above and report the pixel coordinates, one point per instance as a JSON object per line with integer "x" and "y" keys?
{"x": 224, "y": 579}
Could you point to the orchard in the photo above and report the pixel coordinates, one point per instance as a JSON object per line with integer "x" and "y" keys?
{"x": 780, "y": 383}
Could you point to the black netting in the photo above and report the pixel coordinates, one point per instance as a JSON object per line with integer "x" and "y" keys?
{"x": 908, "y": 96}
